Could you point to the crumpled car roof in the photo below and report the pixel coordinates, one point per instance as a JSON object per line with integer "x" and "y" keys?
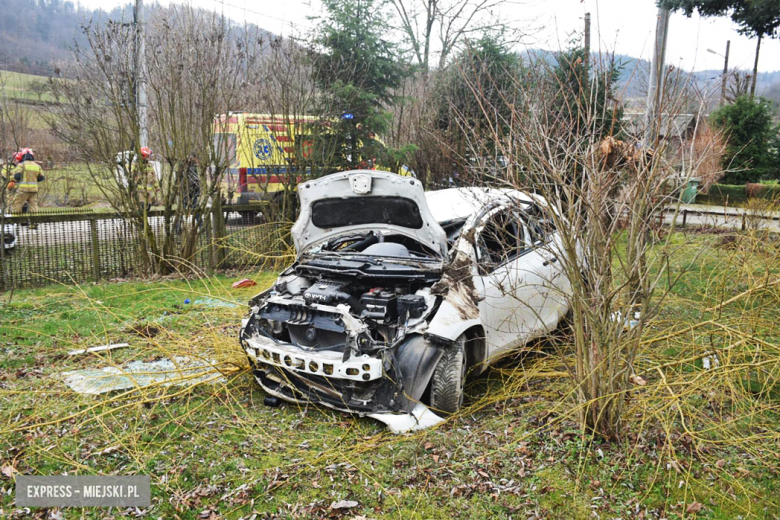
{"x": 458, "y": 203}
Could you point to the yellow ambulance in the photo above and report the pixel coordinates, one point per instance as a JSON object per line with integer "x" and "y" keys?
{"x": 261, "y": 152}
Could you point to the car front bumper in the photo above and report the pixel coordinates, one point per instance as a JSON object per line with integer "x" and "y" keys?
{"x": 327, "y": 363}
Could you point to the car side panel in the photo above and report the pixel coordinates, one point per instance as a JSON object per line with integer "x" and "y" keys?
{"x": 514, "y": 298}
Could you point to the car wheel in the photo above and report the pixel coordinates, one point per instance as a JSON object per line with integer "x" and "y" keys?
{"x": 449, "y": 377}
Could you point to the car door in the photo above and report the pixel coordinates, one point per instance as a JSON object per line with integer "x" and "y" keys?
{"x": 543, "y": 238}
{"x": 510, "y": 275}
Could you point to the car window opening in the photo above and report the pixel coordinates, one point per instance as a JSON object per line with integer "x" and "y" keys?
{"x": 502, "y": 239}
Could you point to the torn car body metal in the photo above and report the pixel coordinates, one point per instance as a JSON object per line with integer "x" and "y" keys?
{"x": 388, "y": 283}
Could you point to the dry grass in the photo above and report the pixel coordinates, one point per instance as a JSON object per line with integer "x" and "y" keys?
{"x": 700, "y": 442}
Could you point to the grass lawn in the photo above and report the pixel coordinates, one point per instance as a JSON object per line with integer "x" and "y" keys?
{"x": 20, "y": 86}
{"x": 69, "y": 184}
{"x": 698, "y": 444}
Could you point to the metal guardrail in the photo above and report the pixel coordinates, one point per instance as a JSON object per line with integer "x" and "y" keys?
{"x": 84, "y": 246}
{"x": 743, "y": 216}
{"x": 91, "y": 245}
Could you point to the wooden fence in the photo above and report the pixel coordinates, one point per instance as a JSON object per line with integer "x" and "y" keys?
{"x": 84, "y": 246}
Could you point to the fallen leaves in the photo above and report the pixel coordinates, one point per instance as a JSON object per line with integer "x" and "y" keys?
{"x": 8, "y": 471}
{"x": 694, "y": 507}
{"x": 344, "y": 504}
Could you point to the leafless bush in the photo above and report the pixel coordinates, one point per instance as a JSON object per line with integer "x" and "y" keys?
{"x": 415, "y": 121}
{"x": 561, "y": 139}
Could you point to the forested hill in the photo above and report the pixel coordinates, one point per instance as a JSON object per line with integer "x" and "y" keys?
{"x": 632, "y": 79}
{"x": 33, "y": 33}
{"x": 634, "y": 69}
{"x": 36, "y": 33}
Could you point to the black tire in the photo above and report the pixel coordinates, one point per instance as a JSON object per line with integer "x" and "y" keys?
{"x": 449, "y": 378}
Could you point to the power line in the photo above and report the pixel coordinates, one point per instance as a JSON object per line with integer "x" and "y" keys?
{"x": 265, "y": 15}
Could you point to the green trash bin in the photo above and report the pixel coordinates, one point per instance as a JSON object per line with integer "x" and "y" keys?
{"x": 689, "y": 193}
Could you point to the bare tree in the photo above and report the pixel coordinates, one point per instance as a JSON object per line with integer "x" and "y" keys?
{"x": 39, "y": 88}
{"x": 439, "y": 26}
{"x": 15, "y": 132}
{"x": 289, "y": 97}
{"x": 198, "y": 66}
{"x": 739, "y": 84}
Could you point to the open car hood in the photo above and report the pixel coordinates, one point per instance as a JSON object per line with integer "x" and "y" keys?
{"x": 365, "y": 200}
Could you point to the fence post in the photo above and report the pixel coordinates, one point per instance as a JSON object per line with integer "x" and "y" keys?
{"x": 218, "y": 232}
{"x": 685, "y": 217}
{"x": 95, "y": 249}
{"x": 210, "y": 245}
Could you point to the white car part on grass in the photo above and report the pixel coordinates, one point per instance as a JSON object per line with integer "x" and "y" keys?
{"x": 139, "y": 374}
{"x": 419, "y": 418}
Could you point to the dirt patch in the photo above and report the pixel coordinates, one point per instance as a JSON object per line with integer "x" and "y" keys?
{"x": 457, "y": 287}
{"x": 469, "y": 236}
{"x": 144, "y": 330}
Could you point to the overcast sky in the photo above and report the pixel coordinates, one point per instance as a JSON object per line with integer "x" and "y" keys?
{"x": 625, "y": 26}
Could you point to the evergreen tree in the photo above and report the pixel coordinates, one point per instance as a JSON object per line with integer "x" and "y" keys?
{"x": 478, "y": 88}
{"x": 475, "y": 99}
{"x": 585, "y": 97}
{"x": 750, "y": 152}
{"x": 357, "y": 70}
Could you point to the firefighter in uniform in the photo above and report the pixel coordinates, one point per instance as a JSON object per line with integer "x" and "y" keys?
{"x": 144, "y": 177}
{"x": 26, "y": 175}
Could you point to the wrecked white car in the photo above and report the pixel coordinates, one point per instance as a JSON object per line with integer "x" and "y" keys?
{"x": 10, "y": 235}
{"x": 397, "y": 294}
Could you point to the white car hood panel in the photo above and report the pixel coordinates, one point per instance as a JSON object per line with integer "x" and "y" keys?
{"x": 365, "y": 183}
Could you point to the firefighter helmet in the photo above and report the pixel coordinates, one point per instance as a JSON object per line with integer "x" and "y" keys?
{"x": 23, "y": 153}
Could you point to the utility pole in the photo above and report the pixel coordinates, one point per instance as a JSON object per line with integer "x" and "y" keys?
{"x": 755, "y": 69}
{"x": 587, "y": 43}
{"x": 140, "y": 73}
{"x": 656, "y": 85}
{"x": 725, "y": 74}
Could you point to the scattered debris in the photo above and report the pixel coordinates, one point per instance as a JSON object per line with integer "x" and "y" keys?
{"x": 246, "y": 282}
{"x": 637, "y": 380}
{"x": 344, "y": 504}
{"x": 101, "y": 348}
{"x": 211, "y": 302}
{"x": 421, "y": 417}
{"x": 710, "y": 362}
{"x": 628, "y": 323}
{"x": 138, "y": 374}
{"x": 107, "y": 451}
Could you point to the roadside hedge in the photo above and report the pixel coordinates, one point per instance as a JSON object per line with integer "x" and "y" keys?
{"x": 722, "y": 194}
{"x": 764, "y": 191}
